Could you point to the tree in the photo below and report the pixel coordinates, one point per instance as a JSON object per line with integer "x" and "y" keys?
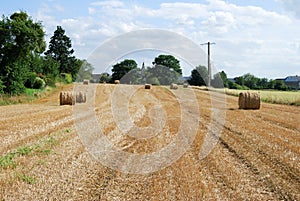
{"x": 220, "y": 80}
{"x": 85, "y": 71}
{"x": 279, "y": 85}
{"x": 263, "y": 83}
{"x": 105, "y": 78}
{"x": 1, "y": 87}
{"x": 168, "y": 61}
{"x": 161, "y": 75}
{"x": 121, "y": 69}
{"x": 60, "y": 49}
{"x": 199, "y": 76}
{"x": 19, "y": 36}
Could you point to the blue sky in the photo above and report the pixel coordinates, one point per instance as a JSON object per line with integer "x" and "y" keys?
{"x": 254, "y": 36}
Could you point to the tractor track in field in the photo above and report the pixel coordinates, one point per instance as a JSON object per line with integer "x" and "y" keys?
{"x": 257, "y": 156}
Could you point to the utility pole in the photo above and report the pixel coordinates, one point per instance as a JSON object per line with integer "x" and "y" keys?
{"x": 208, "y": 62}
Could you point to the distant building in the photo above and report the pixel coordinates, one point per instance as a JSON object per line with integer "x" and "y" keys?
{"x": 292, "y": 82}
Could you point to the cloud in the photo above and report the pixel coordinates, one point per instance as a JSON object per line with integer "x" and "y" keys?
{"x": 292, "y": 6}
{"x": 248, "y": 38}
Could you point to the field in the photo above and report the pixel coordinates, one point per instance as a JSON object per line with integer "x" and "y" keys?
{"x": 279, "y": 97}
{"x": 43, "y": 157}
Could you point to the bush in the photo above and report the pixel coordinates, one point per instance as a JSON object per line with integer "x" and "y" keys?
{"x": 50, "y": 80}
{"x": 153, "y": 81}
{"x": 39, "y": 83}
{"x": 1, "y": 87}
{"x": 30, "y": 78}
{"x": 66, "y": 78}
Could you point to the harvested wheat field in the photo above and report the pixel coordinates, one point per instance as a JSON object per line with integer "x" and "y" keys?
{"x": 43, "y": 157}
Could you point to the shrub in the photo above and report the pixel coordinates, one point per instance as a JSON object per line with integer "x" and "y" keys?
{"x": 50, "y": 80}
{"x": 66, "y": 78}
{"x": 39, "y": 83}
{"x": 30, "y": 78}
{"x": 1, "y": 87}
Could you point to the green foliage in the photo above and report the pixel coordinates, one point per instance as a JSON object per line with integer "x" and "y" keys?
{"x": 60, "y": 49}
{"x": 30, "y": 78}
{"x": 105, "y": 78}
{"x": 121, "y": 69}
{"x": 153, "y": 81}
{"x": 132, "y": 77}
{"x": 7, "y": 161}
{"x": 161, "y": 75}
{"x": 1, "y": 87}
{"x": 220, "y": 80}
{"x": 85, "y": 71}
{"x": 66, "y": 78}
{"x": 199, "y": 76}
{"x": 168, "y": 61}
{"x": 19, "y": 36}
{"x": 39, "y": 83}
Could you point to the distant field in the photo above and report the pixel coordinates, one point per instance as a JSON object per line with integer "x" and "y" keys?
{"x": 279, "y": 97}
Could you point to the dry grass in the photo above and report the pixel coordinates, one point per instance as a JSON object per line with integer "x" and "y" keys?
{"x": 278, "y": 97}
{"x": 257, "y": 156}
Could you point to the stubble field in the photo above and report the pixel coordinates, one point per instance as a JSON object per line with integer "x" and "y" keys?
{"x": 257, "y": 156}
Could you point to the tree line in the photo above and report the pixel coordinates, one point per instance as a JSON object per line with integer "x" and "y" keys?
{"x": 166, "y": 69}
{"x": 25, "y": 63}
{"x": 24, "y": 60}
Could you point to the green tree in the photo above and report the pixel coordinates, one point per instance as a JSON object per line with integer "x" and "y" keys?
{"x": 279, "y": 85}
{"x": 121, "y": 69}
{"x": 19, "y": 36}
{"x": 263, "y": 83}
{"x": 85, "y": 71}
{"x": 60, "y": 49}
{"x": 1, "y": 87}
{"x": 161, "y": 75}
{"x": 220, "y": 80}
{"x": 250, "y": 81}
{"x": 240, "y": 80}
{"x": 105, "y": 78}
{"x": 168, "y": 61}
{"x": 199, "y": 76}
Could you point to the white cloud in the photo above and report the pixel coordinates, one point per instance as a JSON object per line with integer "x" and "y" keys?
{"x": 249, "y": 38}
{"x": 292, "y": 6}
{"x": 108, "y": 4}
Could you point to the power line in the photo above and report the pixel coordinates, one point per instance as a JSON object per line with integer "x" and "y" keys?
{"x": 208, "y": 61}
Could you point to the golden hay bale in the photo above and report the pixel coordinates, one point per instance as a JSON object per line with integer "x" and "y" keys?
{"x": 173, "y": 86}
{"x": 85, "y": 82}
{"x": 66, "y": 98}
{"x": 80, "y": 97}
{"x": 185, "y": 85}
{"x": 148, "y": 86}
{"x": 249, "y": 100}
{"x": 117, "y": 81}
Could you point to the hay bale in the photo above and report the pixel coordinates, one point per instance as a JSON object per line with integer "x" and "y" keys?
{"x": 85, "y": 82}
{"x": 66, "y": 98}
{"x": 117, "y": 81}
{"x": 185, "y": 85}
{"x": 173, "y": 86}
{"x": 249, "y": 100}
{"x": 80, "y": 97}
{"x": 148, "y": 86}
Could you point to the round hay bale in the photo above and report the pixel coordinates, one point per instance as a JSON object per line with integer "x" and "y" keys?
{"x": 249, "y": 100}
{"x": 173, "y": 86}
{"x": 66, "y": 98}
{"x": 85, "y": 82}
{"x": 80, "y": 97}
{"x": 185, "y": 85}
{"x": 148, "y": 86}
{"x": 117, "y": 81}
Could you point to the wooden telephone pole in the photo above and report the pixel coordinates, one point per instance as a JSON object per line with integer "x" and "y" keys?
{"x": 208, "y": 62}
